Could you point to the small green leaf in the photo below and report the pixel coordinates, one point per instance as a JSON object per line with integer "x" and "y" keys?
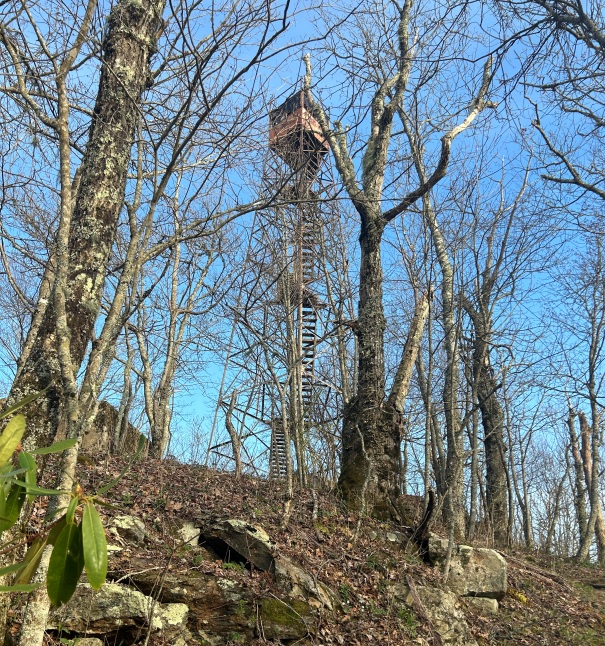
{"x": 26, "y": 460}
{"x": 104, "y": 503}
{"x": 29, "y": 587}
{"x": 5, "y": 469}
{"x": 95, "y": 546}
{"x": 71, "y": 509}
{"x": 39, "y": 491}
{"x": 10, "y": 438}
{"x": 9, "y": 569}
{"x": 34, "y": 553}
{"x": 14, "y": 472}
{"x": 57, "y": 447}
{"x": 65, "y": 565}
{"x": 32, "y": 560}
{"x": 13, "y": 505}
{"x": 112, "y": 483}
{"x": 140, "y": 445}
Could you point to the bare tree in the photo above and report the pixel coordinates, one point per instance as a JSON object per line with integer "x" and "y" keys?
{"x": 371, "y": 429}
{"x": 582, "y": 291}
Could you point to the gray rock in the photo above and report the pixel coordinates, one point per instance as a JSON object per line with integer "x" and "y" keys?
{"x": 189, "y": 533}
{"x": 301, "y": 585}
{"x": 217, "y": 605}
{"x": 442, "y": 608}
{"x": 482, "y": 605}
{"x": 88, "y": 641}
{"x": 291, "y": 620}
{"x": 114, "y": 607}
{"x": 129, "y": 528}
{"x": 474, "y": 571}
{"x": 233, "y": 539}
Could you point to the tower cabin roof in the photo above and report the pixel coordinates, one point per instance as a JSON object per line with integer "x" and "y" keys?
{"x": 294, "y": 131}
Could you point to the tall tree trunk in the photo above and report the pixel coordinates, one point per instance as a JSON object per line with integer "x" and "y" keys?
{"x": 236, "y": 444}
{"x": 492, "y": 418}
{"x": 370, "y": 471}
{"x": 130, "y": 41}
{"x": 579, "y": 480}
{"x": 591, "y": 442}
{"x": 492, "y": 413}
{"x": 435, "y": 440}
{"x": 370, "y": 432}
{"x": 472, "y": 514}
{"x": 454, "y": 472}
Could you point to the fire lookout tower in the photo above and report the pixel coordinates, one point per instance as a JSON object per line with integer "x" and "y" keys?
{"x": 295, "y": 137}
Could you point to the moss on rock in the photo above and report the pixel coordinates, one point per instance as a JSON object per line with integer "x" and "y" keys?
{"x": 290, "y": 619}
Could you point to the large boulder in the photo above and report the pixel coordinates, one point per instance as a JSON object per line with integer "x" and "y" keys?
{"x": 239, "y": 541}
{"x": 220, "y": 606}
{"x": 236, "y": 540}
{"x": 217, "y": 606}
{"x": 474, "y": 571}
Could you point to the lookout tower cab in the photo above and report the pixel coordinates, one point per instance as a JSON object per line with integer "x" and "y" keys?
{"x": 296, "y": 136}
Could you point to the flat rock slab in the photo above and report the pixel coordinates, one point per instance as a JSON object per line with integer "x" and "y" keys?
{"x": 237, "y": 541}
{"x": 114, "y": 607}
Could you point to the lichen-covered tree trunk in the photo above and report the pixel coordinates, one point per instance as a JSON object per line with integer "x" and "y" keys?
{"x": 454, "y": 471}
{"x": 371, "y": 462}
{"x": 131, "y": 35}
{"x": 435, "y": 439}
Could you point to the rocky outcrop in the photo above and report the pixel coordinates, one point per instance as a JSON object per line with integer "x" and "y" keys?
{"x": 302, "y": 586}
{"x": 200, "y": 605}
{"x": 220, "y": 601}
{"x": 474, "y": 571}
{"x": 116, "y": 607}
{"x": 219, "y": 606}
{"x": 482, "y": 605}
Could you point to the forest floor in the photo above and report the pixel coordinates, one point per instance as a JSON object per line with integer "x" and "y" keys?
{"x": 549, "y": 601}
